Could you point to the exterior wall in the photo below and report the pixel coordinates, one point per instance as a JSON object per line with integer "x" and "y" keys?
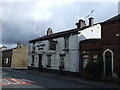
{"x": 109, "y": 32}
{"x": 71, "y": 59}
{"x": 20, "y": 58}
{"x": 1, "y": 49}
{"x": 6, "y": 54}
{"x": 90, "y": 48}
{"x": 111, "y": 40}
{"x": 92, "y": 32}
{"x": 90, "y": 45}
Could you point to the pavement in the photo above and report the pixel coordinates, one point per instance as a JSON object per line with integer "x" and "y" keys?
{"x": 75, "y": 79}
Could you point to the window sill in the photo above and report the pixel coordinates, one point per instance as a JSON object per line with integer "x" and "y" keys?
{"x": 60, "y": 67}
{"x": 65, "y": 49}
{"x": 48, "y": 66}
{"x": 32, "y": 64}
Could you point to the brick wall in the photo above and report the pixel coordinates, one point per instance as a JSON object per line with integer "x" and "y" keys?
{"x": 20, "y": 58}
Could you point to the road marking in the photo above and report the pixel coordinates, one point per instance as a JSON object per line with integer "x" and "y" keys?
{"x": 14, "y": 81}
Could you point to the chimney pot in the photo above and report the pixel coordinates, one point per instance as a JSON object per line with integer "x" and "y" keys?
{"x": 81, "y": 23}
{"x": 91, "y": 21}
{"x": 49, "y": 31}
{"x": 19, "y": 44}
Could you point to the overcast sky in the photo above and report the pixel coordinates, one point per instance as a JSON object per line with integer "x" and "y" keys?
{"x": 28, "y": 20}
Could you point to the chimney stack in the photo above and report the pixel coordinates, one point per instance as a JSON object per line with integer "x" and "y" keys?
{"x": 81, "y": 23}
{"x": 49, "y": 31}
{"x": 19, "y": 44}
{"x": 91, "y": 21}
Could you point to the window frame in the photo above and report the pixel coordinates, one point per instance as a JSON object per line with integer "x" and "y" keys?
{"x": 49, "y": 59}
{"x": 66, "y": 42}
{"x": 84, "y": 61}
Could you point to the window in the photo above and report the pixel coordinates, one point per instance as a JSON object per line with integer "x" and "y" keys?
{"x": 33, "y": 46}
{"x": 7, "y": 60}
{"x": 33, "y": 60}
{"x": 49, "y": 60}
{"x": 62, "y": 61}
{"x": 66, "y": 42}
{"x": 84, "y": 52}
{"x": 95, "y": 57}
{"x": 84, "y": 60}
{"x": 52, "y": 45}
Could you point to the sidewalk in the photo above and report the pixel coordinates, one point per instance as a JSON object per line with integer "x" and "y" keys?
{"x": 76, "y": 79}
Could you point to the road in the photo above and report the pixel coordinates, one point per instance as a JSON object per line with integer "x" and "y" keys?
{"x": 21, "y": 79}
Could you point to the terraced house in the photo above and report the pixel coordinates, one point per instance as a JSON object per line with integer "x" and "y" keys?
{"x": 2, "y": 49}
{"x": 107, "y": 48}
{"x": 16, "y": 57}
{"x": 60, "y": 51}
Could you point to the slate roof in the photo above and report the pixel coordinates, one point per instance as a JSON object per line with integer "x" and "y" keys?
{"x": 9, "y": 49}
{"x": 60, "y": 34}
{"x": 113, "y": 19}
{"x": 91, "y": 40}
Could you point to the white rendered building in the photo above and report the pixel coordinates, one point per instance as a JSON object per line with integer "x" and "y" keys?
{"x": 61, "y": 50}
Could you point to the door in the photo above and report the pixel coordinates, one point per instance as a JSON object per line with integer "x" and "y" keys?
{"x": 108, "y": 64}
{"x": 40, "y": 61}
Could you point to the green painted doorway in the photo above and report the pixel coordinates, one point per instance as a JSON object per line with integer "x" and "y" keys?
{"x": 108, "y": 63}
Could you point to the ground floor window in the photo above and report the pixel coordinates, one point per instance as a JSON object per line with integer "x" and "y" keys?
{"x": 94, "y": 57}
{"x": 33, "y": 60}
{"x": 62, "y": 56}
{"x": 85, "y": 60}
{"x": 62, "y": 63}
{"x": 7, "y": 60}
{"x": 49, "y": 60}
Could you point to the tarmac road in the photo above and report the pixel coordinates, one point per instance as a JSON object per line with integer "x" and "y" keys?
{"x": 21, "y": 79}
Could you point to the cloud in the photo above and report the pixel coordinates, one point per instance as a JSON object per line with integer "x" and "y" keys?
{"x": 28, "y": 20}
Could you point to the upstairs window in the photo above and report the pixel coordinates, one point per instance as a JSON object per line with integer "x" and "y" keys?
{"x": 33, "y": 46}
{"x": 66, "y": 42}
{"x": 52, "y": 45}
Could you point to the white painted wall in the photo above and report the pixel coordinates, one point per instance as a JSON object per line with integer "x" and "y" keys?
{"x": 90, "y": 33}
{"x": 71, "y": 60}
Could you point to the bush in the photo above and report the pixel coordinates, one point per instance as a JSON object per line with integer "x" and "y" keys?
{"x": 95, "y": 69}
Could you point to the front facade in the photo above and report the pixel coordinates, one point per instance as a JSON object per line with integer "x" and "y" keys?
{"x": 108, "y": 48}
{"x": 16, "y": 57}
{"x": 60, "y": 50}
{"x": 90, "y": 51}
{"x": 7, "y": 58}
{"x": 2, "y": 49}
{"x": 111, "y": 46}
{"x": 20, "y": 58}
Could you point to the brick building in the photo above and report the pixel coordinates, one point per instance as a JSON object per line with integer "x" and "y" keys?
{"x": 16, "y": 57}
{"x": 6, "y": 58}
{"x": 60, "y": 51}
{"x": 20, "y": 58}
{"x": 2, "y": 49}
{"x": 108, "y": 48}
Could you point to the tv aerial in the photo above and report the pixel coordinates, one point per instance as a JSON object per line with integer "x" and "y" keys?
{"x": 90, "y": 15}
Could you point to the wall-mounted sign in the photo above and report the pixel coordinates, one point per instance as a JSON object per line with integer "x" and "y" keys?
{"x": 41, "y": 47}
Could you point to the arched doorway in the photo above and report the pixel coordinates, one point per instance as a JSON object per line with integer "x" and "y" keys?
{"x": 108, "y": 63}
